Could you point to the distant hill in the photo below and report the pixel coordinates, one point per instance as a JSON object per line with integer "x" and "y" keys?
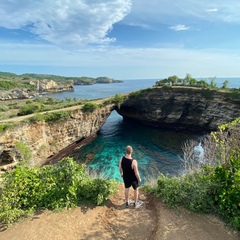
{"x": 10, "y": 81}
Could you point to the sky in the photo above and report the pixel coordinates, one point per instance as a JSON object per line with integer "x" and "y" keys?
{"x": 121, "y": 39}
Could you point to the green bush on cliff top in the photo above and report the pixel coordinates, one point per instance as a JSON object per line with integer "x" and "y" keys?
{"x": 212, "y": 189}
{"x": 63, "y": 185}
{"x": 89, "y": 107}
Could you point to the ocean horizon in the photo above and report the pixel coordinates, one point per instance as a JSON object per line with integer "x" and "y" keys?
{"x": 100, "y": 90}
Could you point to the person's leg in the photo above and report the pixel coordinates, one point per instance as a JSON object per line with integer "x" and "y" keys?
{"x": 137, "y": 203}
{"x": 126, "y": 194}
{"x": 135, "y": 195}
{"x": 135, "y": 187}
{"x": 127, "y": 185}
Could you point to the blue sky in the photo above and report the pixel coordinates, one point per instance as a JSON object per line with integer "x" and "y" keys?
{"x": 122, "y": 39}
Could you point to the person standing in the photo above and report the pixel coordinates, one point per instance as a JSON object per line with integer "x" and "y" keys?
{"x": 128, "y": 168}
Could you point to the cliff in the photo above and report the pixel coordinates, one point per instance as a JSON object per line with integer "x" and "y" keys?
{"x": 17, "y": 94}
{"x": 46, "y": 85}
{"x": 180, "y": 108}
{"x": 40, "y": 140}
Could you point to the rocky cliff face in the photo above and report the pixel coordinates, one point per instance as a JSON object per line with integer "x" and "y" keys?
{"x": 181, "y": 108}
{"x": 46, "y": 85}
{"x": 44, "y": 139}
{"x": 16, "y": 94}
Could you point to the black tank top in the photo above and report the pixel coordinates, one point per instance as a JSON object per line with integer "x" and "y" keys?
{"x": 128, "y": 172}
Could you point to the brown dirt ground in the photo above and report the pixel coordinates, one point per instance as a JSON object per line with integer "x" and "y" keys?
{"x": 152, "y": 221}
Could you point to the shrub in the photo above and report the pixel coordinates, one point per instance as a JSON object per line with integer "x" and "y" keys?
{"x": 29, "y": 109}
{"x": 234, "y": 94}
{"x": 227, "y": 192}
{"x": 208, "y": 93}
{"x": 191, "y": 191}
{"x": 4, "y": 108}
{"x": 214, "y": 188}
{"x": 7, "y": 85}
{"x": 51, "y": 116}
{"x": 89, "y": 107}
{"x": 135, "y": 94}
{"x": 5, "y": 126}
{"x": 37, "y": 117}
{"x": 63, "y": 185}
{"x": 118, "y": 98}
{"x": 55, "y": 116}
{"x": 24, "y": 150}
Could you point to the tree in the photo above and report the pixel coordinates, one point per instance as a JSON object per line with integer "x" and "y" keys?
{"x": 192, "y": 82}
{"x": 187, "y": 79}
{"x": 202, "y": 83}
{"x": 162, "y": 82}
{"x": 173, "y": 80}
{"x": 225, "y": 84}
{"x": 213, "y": 84}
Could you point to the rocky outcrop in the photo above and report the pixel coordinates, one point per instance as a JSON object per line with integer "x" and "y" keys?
{"x": 41, "y": 86}
{"x": 46, "y": 85}
{"x": 180, "y": 108}
{"x": 45, "y": 139}
{"x": 17, "y": 94}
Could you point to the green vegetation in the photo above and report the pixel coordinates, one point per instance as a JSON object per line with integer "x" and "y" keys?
{"x": 63, "y": 185}
{"x": 191, "y": 82}
{"x": 8, "y": 85}
{"x": 89, "y": 107}
{"x": 106, "y": 80}
{"x": 208, "y": 93}
{"x": 10, "y": 81}
{"x": 24, "y": 150}
{"x": 117, "y": 99}
{"x": 29, "y": 108}
{"x": 45, "y": 109}
{"x": 210, "y": 187}
{"x": 5, "y": 126}
{"x": 51, "y": 116}
{"x": 55, "y": 116}
{"x": 208, "y": 89}
{"x": 233, "y": 94}
{"x": 16, "y": 108}
{"x": 136, "y": 93}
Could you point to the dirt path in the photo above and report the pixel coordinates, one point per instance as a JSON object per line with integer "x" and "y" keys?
{"x": 152, "y": 221}
{"x": 21, "y": 118}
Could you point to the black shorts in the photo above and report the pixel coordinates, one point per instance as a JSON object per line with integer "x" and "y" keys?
{"x": 128, "y": 184}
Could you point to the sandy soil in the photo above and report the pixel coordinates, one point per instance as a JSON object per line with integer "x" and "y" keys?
{"x": 152, "y": 221}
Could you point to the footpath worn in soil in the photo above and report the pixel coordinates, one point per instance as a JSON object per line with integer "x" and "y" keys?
{"x": 152, "y": 221}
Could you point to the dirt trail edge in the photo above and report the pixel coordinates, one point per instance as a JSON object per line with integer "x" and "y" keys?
{"x": 152, "y": 221}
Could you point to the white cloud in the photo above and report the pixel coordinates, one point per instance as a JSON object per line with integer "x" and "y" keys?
{"x": 63, "y": 21}
{"x": 121, "y": 63}
{"x": 212, "y": 10}
{"x": 179, "y": 27}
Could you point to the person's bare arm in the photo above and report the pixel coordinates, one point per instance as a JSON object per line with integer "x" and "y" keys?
{"x": 135, "y": 168}
{"x": 120, "y": 167}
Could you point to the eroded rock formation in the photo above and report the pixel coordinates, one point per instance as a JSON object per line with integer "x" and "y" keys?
{"x": 43, "y": 139}
{"x": 46, "y": 85}
{"x": 181, "y": 108}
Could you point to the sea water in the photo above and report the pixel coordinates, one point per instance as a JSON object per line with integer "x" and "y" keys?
{"x": 156, "y": 150}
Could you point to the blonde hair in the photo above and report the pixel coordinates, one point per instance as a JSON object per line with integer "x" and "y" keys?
{"x": 129, "y": 150}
